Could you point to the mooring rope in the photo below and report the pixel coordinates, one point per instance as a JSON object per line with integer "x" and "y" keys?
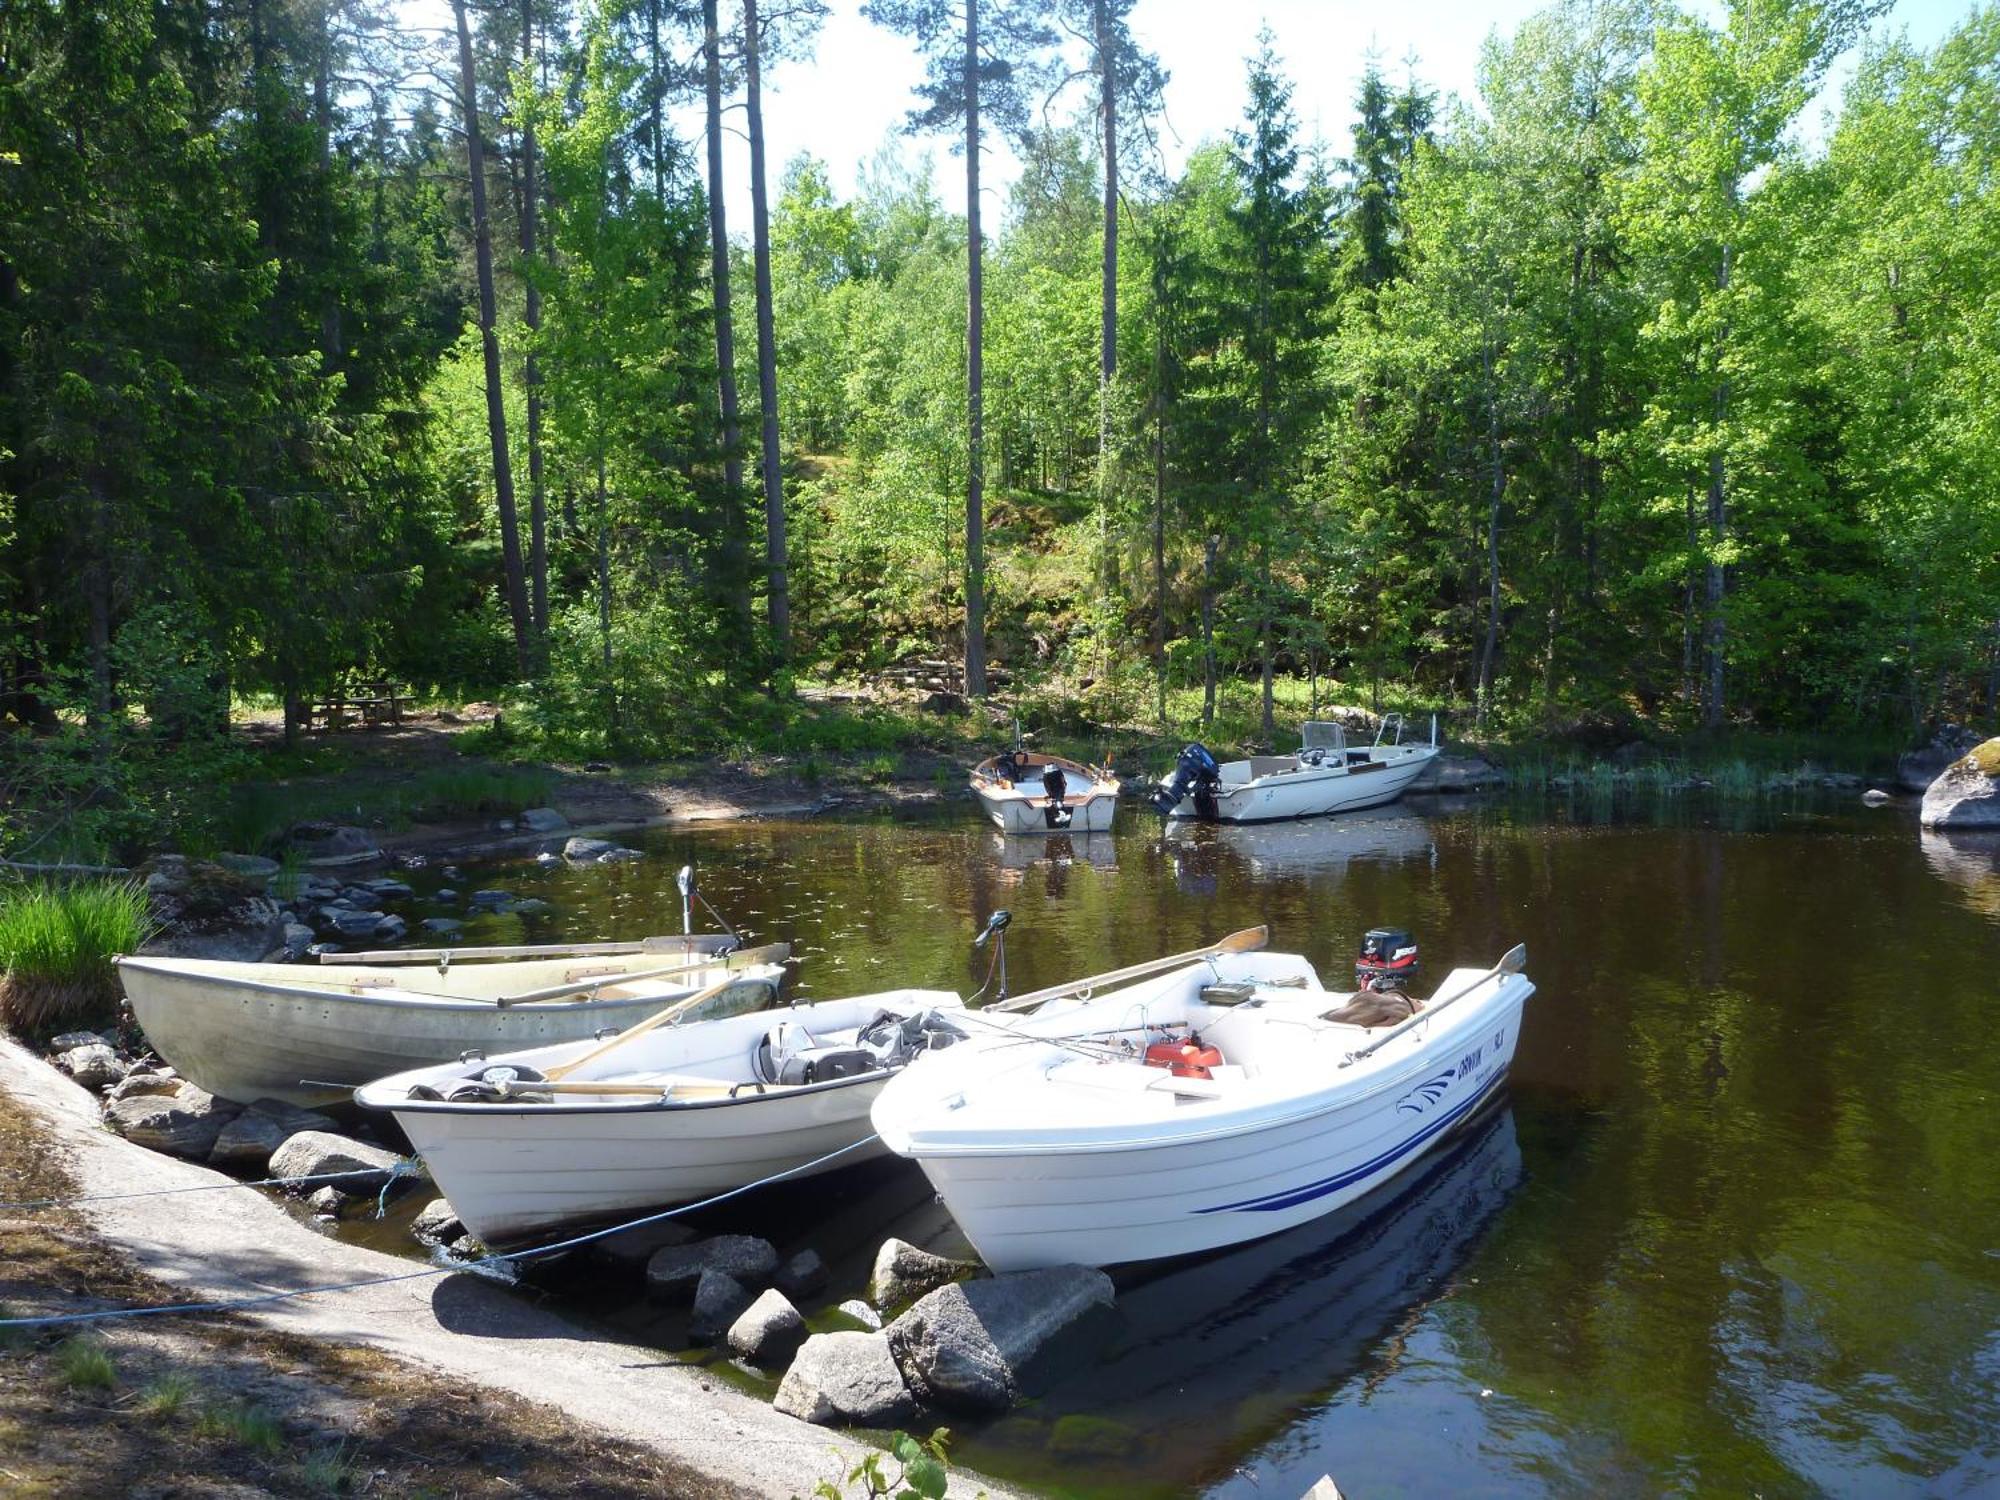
{"x": 235, "y": 1304}
{"x": 406, "y": 1167}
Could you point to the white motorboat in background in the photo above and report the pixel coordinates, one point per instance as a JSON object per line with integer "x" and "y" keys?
{"x": 534, "y": 1140}
{"x": 1025, "y": 791}
{"x": 307, "y": 1035}
{"x": 1216, "y": 1103}
{"x": 1327, "y": 775}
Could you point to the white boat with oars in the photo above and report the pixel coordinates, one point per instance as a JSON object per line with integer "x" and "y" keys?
{"x": 309, "y": 1035}
{"x": 1327, "y": 775}
{"x": 1227, "y": 1098}
{"x": 553, "y": 1136}
{"x": 1025, "y": 791}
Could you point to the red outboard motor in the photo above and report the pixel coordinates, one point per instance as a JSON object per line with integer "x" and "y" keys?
{"x": 1388, "y": 960}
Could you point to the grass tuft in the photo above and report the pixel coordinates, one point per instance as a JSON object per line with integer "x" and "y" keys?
{"x": 83, "y": 1364}
{"x": 166, "y": 1396}
{"x": 56, "y": 947}
{"x": 327, "y": 1471}
{"x": 245, "y": 1423}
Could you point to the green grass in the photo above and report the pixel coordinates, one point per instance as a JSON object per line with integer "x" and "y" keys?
{"x": 166, "y": 1396}
{"x": 56, "y": 947}
{"x": 83, "y": 1364}
{"x": 243, "y": 1422}
{"x": 327, "y": 1471}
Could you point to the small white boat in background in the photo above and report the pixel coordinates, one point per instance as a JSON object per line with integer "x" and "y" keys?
{"x": 1025, "y": 791}
{"x": 1216, "y": 1103}
{"x": 1327, "y": 775}
{"x": 307, "y": 1035}
{"x": 535, "y": 1140}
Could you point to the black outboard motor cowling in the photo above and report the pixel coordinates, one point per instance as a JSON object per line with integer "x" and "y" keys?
{"x": 1196, "y": 774}
{"x": 1056, "y": 786}
{"x": 1387, "y": 961}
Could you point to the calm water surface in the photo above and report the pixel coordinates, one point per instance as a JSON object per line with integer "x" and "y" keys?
{"x": 1737, "y": 1228}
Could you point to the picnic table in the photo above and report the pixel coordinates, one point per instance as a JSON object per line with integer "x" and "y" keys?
{"x": 369, "y": 704}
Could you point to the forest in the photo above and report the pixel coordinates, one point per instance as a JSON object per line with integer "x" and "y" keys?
{"x": 1621, "y": 392}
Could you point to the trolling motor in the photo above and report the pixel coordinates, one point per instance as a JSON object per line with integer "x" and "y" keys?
{"x": 996, "y": 929}
{"x": 1388, "y": 960}
{"x": 1196, "y": 774}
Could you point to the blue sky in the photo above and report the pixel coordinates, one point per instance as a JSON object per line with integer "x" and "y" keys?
{"x": 849, "y": 101}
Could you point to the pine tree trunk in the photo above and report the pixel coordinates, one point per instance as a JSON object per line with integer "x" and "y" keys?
{"x": 725, "y": 329}
{"x": 975, "y": 513}
{"x": 1160, "y": 492}
{"x": 496, "y": 409}
{"x": 538, "y": 515}
{"x": 1208, "y": 631}
{"x": 767, "y": 347}
{"x": 1107, "y": 468}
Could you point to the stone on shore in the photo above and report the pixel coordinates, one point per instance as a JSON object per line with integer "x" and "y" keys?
{"x": 312, "y": 1157}
{"x": 861, "y": 1312}
{"x": 845, "y": 1378}
{"x": 69, "y": 1041}
{"x": 436, "y": 1224}
{"x": 254, "y": 865}
{"x": 249, "y": 1140}
{"x": 769, "y": 1331}
{"x": 904, "y": 1273}
{"x": 584, "y": 850}
{"x": 1459, "y": 773}
{"x": 334, "y": 846}
{"x": 719, "y": 1300}
{"x": 141, "y": 1081}
{"x": 93, "y": 1065}
{"x": 1967, "y": 793}
{"x": 802, "y": 1275}
{"x": 965, "y": 1345}
{"x": 184, "y": 1123}
{"x": 674, "y": 1273}
{"x": 543, "y": 820}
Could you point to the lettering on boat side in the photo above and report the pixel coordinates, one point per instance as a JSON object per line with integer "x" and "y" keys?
{"x": 1469, "y": 1064}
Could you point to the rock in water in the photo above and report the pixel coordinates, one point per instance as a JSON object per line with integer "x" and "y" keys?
{"x": 845, "y": 1378}
{"x": 248, "y": 1140}
{"x": 312, "y": 1156}
{"x": 325, "y": 1202}
{"x": 583, "y": 849}
{"x": 904, "y": 1273}
{"x": 436, "y": 1224}
{"x": 965, "y": 1345}
{"x": 1967, "y": 794}
{"x": 802, "y": 1275}
{"x": 1874, "y": 797}
{"x": 543, "y": 820}
{"x": 184, "y": 1123}
{"x": 770, "y": 1330}
{"x": 719, "y": 1300}
{"x": 861, "y": 1312}
{"x": 674, "y": 1273}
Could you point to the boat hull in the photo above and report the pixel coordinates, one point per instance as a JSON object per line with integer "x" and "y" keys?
{"x": 1012, "y": 812}
{"x": 246, "y": 1039}
{"x": 1199, "y": 1180}
{"x": 1312, "y": 793}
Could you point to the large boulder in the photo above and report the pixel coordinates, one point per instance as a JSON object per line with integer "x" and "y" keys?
{"x": 584, "y": 850}
{"x": 1459, "y": 773}
{"x": 719, "y": 1300}
{"x": 183, "y": 1123}
{"x": 846, "y": 1378}
{"x": 316, "y": 1158}
{"x": 436, "y": 1223}
{"x": 1917, "y": 769}
{"x": 543, "y": 820}
{"x": 802, "y": 1275}
{"x": 966, "y": 1345}
{"x": 248, "y": 1141}
{"x": 904, "y": 1273}
{"x": 674, "y": 1273}
{"x": 93, "y": 1065}
{"x": 330, "y": 847}
{"x": 769, "y": 1331}
{"x": 1967, "y": 794}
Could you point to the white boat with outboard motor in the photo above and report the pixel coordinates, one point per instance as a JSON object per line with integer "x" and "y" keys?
{"x": 1327, "y": 775}
{"x": 1025, "y": 791}
{"x": 555, "y": 1136}
{"x": 308, "y": 1035}
{"x": 1228, "y": 1098}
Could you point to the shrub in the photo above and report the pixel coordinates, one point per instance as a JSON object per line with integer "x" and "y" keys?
{"x": 56, "y": 947}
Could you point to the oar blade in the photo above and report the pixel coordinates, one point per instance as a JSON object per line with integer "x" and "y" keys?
{"x": 1514, "y": 960}
{"x": 1249, "y": 940}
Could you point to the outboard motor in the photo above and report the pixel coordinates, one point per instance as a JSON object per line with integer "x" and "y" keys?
{"x": 1195, "y": 774}
{"x": 1056, "y": 785}
{"x": 1388, "y": 960}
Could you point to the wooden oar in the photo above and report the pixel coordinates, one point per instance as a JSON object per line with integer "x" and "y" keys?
{"x": 1249, "y": 940}
{"x": 1512, "y": 961}
{"x": 717, "y": 941}
{"x": 743, "y": 958}
{"x": 659, "y": 1018}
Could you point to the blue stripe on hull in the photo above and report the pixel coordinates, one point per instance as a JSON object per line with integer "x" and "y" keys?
{"x": 1292, "y": 1197}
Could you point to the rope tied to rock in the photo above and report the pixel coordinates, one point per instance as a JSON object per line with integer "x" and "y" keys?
{"x": 236, "y": 1304}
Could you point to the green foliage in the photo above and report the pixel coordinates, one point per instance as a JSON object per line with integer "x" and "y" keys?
{"x": 243, "y": 1422}
{"x": 921, "y": 1472}
{"x": 166, "y": 1396}
{"x": 328, "y": 1470}
{"x": 56, "y": 947}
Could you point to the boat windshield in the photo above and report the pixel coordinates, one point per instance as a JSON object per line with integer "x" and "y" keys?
{"x": 1321, "y": 735}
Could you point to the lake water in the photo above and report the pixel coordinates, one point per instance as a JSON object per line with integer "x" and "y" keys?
{"x": 1735, "y": 1229}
